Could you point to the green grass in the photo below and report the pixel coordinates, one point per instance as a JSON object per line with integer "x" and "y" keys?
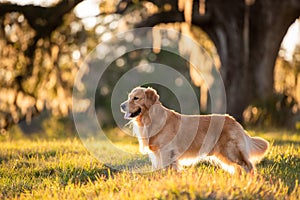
{"x": 64, "y": 169}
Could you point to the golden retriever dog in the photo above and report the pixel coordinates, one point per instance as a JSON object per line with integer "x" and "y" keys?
{"x": 175, "y": 140}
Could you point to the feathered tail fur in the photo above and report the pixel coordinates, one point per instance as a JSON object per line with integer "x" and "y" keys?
{"x": 258, "y": 148}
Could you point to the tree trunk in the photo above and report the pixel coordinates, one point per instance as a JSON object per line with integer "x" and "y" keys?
{"x": 269, "y": 22}
{"x": 226, "y": 31}
{"x": 247, "y": 71}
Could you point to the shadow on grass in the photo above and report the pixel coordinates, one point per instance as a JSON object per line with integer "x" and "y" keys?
{"x": 140, "y": 165}
{"x": 30, "y": 179}
{"x": 74, "y": 175}
{"x": 27, "y": 155}
{"x": 281, "y": 167}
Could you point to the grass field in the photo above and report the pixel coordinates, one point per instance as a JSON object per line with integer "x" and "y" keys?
{"x": 64, "y": 169}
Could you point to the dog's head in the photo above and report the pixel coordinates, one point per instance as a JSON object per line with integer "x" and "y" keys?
{"x": 139, "y": 101}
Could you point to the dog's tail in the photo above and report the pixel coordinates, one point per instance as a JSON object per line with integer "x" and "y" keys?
{"x": 258, "y": 148}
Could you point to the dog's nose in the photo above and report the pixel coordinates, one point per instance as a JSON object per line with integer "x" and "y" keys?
{"x": 123, "y": 106}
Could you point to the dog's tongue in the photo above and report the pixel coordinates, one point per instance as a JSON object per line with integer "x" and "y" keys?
{"x": 127, "y": 115}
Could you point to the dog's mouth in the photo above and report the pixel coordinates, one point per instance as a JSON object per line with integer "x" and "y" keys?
{"x": 129, "y": 115}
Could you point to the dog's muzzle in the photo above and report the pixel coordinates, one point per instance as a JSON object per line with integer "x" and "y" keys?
{"x": 123, "y": 107}
{"x": 129, "y": 115}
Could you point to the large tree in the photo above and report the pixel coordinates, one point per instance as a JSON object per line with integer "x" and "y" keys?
{"x": 246, "y": 33}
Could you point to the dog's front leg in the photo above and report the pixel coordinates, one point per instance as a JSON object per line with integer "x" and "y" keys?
{"x": 169, "y": 159}
{"x": 155, "y": 159}
{"x": 164, "y": 159}
{"x": 176, "y": 166}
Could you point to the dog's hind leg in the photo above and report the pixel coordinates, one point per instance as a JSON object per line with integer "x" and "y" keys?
{"x": 238, "y": 159}
{"x": 241, "y": 160}
{"x": 246, "y": 164}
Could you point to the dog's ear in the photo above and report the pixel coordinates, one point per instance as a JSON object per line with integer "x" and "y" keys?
{"x": 158, "y": 118}
{"x": 151, "y": 97}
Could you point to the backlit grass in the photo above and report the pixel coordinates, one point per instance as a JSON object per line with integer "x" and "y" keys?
{"x": 64, "y": 169}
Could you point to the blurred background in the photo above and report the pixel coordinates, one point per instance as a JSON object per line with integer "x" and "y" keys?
{"x": 255, "y": 44}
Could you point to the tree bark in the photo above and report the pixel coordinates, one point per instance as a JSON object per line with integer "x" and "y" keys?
{"x": 269, "y": 22}
{"x": 226, "y": 31}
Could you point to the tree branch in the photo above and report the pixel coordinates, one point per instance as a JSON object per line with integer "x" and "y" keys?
{"x": 43, "y": 20}
{"x": 173, "y": 16}
{"x": 163, "y": 17}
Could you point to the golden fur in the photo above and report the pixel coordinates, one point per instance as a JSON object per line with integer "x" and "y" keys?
{"x": 174, "y": 140}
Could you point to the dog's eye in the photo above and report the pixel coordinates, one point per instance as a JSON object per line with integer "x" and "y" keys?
{"x": 135, "y": 98}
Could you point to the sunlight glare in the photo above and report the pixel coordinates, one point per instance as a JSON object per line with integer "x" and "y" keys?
{"x": 87, "y": 8}
{"x": 43, "y": 3}
{"x": 291, "y": 40}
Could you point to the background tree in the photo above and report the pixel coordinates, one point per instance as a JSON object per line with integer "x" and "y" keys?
{"x": 247, "y": 35}
{"x": 43, "y": 46}
{"x": 36, "y": 64}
